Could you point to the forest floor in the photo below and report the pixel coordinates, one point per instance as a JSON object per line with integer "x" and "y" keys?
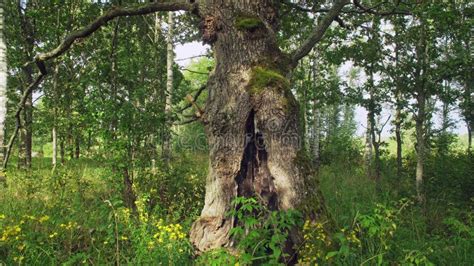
{"x": 75, "y": 215}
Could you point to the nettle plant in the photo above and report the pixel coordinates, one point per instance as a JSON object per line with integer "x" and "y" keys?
{"x": 261, "y": 234}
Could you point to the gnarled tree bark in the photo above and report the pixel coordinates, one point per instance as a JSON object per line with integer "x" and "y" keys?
{"x": 252, "y": 119}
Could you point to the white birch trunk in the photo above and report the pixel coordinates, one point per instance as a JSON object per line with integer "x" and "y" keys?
{"x": 3, "y": 83}
{"x": 169, "y": 88}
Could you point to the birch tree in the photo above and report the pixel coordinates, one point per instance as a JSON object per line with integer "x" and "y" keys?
{"x": 3, "y": 88}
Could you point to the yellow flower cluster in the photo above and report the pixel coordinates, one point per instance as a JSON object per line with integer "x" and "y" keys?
{"x": 18, "y": 259}
{"x": 10, "y": 232}
{"x": 169, "y": 232}
{"x": 141, "y": 209}
{"x": 352, "y": 238}
{"x": 69, "y": 226}
{"x": 316, "y": 241}
{"x": 43, "y": 219}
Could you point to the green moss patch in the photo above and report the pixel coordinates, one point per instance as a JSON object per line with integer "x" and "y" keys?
{"x": 248, "y": 23}
{"x": 262, "y": 78}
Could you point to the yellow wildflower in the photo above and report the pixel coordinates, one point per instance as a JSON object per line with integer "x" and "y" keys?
{"x": 43, "y": 219}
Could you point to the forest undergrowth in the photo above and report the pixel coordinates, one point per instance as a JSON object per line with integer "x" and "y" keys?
{"x": 75, "y": 215}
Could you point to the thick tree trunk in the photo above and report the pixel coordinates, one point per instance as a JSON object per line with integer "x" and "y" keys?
{"x": 252, "y": 122}
{"x": 3, "y": 91}
{"x": 166, "y": 153}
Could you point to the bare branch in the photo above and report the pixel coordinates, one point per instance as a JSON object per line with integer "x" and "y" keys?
{"x": 189, "y": 121}
{"x": 195, "y": 97}
{"x": 318, "y": 32}
{"x": 191, "y": 100}
{"x": 193, "y": 71}
{"x": 191, "y": 57}
{"x": 102, "y": 20}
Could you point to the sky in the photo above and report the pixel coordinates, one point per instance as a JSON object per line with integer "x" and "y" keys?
{"x": 185, "y": 51}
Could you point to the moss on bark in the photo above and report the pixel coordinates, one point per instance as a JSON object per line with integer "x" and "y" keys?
{"x": 262, "y": 78}
{"x": 248, "y": 23}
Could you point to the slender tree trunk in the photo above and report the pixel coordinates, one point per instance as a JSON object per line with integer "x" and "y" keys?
{"x": 158, "y": 93}
{"x": 398, "y": 135}
{"x": 428, "y": 125}
{"x": 28, "y": 130}
{"x": 21, "y": 148}
{"x": 316, "y": 125}
{"x": 335, "y": 121}
{"x": 443, "y": 137}
{"x": 71, "y": 144}
{"x": 62, "y": 151}
{"x": 252, "y": 124}
{"x": 468, "y": 105}
{"x": 316, "y": 132}
{"x": 128, "y": 194}
{"x": 3, "y": 91}
{"x": 399, "y": 106}
{"x": 77, "y": 142}
{"x": 89, "y": 141}
{"x": 55, "y": 147}
{"x": 27, "y": 30}
{"x": 169, "y": 90}
{"x": 376, "y": 146}
{"x": 469, "y": 136}
{"x": 422, "y": 98}
{"x": 420, "y": 145}
{"x": 55, "y": 114}
{"x": 368, "y": 153}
